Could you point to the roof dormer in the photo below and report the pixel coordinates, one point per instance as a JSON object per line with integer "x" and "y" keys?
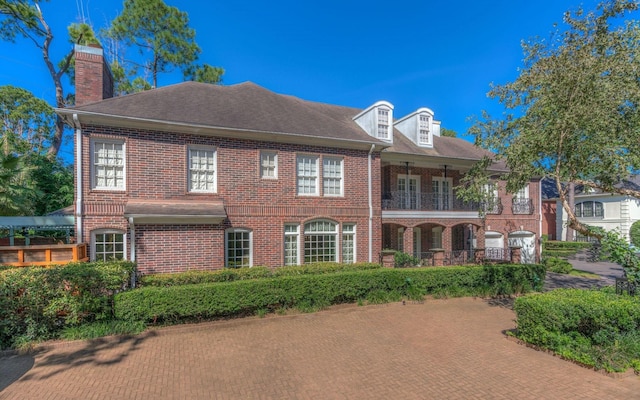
{"x": 377, "y": 121}
{"x": 419, "y": 127}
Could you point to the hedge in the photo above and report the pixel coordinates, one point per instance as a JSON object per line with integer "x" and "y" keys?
{"x": 243, "y": 297}
{"x": 37, "y": 302}
{"x": 559, "y": 245}
{"x": 596, "y": 328}
{"x": 235, "y": 274}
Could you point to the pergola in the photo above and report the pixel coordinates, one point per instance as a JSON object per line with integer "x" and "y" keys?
{"x": 40, "y": 223}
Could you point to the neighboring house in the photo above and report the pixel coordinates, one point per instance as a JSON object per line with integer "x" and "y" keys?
{"x": 200, "y": 176}
{"x": 606, "y": 210}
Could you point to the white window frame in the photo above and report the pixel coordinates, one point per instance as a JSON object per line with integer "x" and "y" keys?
{"x": 436, "y": 237}
{"x": 268, "y": 156}
{"x": 440, "y": 200}
{"x": 522, "y": 193}
{"x": 349, "y": 230}
{"x": 293, "y": 234}
{"x": 424, "y": 132}
{"x": 226, "y": 246}
{"x": 383, "y": 123}
{"x": 401, "y": 239}
{"x": 412, "y": 199}
{"x": 97, "y": 232}
{"x": 190, "y": 169}
{"x": 94, "y": 166}
{"x": 336, "y": 240}
{"x": 326, "y": 179}
{"x": 311, "y": 177}
{"x": 417, "y": 242}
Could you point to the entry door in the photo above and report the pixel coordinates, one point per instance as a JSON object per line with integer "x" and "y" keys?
{"x": 527, "y": 242}
{"x": 409, "y": 189}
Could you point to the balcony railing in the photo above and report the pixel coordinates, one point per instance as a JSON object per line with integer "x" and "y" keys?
{"x": 522, "y": 206}
{"x": 493, "y": 206}
{"x": 426, "y": 202}
{"x": 22, "y": 256}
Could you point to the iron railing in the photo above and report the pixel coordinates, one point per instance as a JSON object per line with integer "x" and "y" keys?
{"x": 497, "y": 254}
{"x": 399, "y": 200}
{"x": 522, "y": 206}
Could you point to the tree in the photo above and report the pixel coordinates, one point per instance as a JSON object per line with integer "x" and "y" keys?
{"x": 16, "y": 192}
{"x": 573, "y": 114}
{"x": 163, "y": 33}
{"x": 22, "y": 18}
{"x": 204, "y": 73}
{"x": 634, "y": 233}
{"x": 448, "y": 132}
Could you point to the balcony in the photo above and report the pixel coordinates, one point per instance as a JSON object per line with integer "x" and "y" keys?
{"x": 493, "y": 207}
{"x": 425, "y": 202}
{"x": 522, "y": 206}
{"x": 42, "y": 255}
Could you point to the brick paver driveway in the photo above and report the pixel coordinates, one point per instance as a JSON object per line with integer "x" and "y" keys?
{"x": 440, "y": 349}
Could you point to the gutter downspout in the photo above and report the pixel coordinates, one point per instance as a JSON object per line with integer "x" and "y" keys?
{"x": 540, "y": 219}
{"x": 78, "y": 162}
{"x": 370, "y": 205}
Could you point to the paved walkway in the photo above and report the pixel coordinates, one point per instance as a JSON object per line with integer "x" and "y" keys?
{"x": 439, "y": 349}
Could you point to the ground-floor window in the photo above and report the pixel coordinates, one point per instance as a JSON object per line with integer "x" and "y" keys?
{"x": 291, "y": 253}
{"x": 108, "y": 245}
{"x": 348, "y": 243}
{"x": 320, "y": 242}
{"x": 238, "y": 248}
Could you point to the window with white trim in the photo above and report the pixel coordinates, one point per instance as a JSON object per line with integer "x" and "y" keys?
{"x": 108, "y": 245}
{"x": 383, "y": 131}
{"x": 348, "y": 243}
{"x": 238, "y": 246}
{"x": 269, "y": 164}
{"x": 320, "y": 241}
{"x": 202, "y": 170}
{"x": 423, "y": 129}
{"x": 400, "y": 239}
{"x": 332, "y": 176}
{"x": 307, "y": 170}
{"x": 590, "y": 209}
{"x": 291, "y": 237}
{"x": 108, "y": 164}
{"x": 436, "y": 237}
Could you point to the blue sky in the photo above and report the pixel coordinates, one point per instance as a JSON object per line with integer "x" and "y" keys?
{"x": 435, "y": 54}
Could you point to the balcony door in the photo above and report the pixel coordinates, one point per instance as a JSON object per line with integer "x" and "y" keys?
{"x": 409, "y": 191}
{"x": 441, "y": 192}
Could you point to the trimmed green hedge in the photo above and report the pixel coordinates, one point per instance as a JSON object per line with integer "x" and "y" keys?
{"x": 237, "y": 274}
{"x": 36, "y": 302}
{"x": 596, "y": 328}
{"x": 560, "y": 245}
{"x": 244, "y": 297}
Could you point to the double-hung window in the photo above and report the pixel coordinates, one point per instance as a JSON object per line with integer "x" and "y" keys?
{"x": 108, "y": 164}
{"x": 383, "y": 131}
{"x": 332, "y": 176}
{"x": 423, "y": 129}
{"x": 307, "y": 168}
{"x": 202, "y": 170}
{"x": 269, "y": 165}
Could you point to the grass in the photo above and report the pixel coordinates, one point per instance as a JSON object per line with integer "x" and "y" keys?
{"x": 583, "y": 274}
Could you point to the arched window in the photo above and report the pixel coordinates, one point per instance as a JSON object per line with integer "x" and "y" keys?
{"x": 108, "y": 245}
{"x": 590, "y": 209}
{"x": 320, "y": 241}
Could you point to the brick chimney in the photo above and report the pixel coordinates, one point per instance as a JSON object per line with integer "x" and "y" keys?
{"x": 94, "y": 81}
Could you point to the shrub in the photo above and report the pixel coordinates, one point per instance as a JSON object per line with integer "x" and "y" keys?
{"x": 596, "y": 328}
{"x": 634, "y": 233}
{"x": 558, "y": 265}
{"x": 36, "y": 302}
{"x": 309, "y": 292}
{"x": 403, "y": 260}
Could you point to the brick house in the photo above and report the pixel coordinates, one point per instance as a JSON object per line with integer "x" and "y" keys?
{"x": 199, "y": 176}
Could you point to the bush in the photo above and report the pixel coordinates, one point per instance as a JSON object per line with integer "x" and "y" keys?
{"x": 403, "y": 260}
{"x": 634, "y": 233}
{"x": 596, "y": 328}
{"x": 36, "y": 302}
{"x": 310, "y": 292}
{"x": 236, "y": 274}
{"x": 558, "y": 265}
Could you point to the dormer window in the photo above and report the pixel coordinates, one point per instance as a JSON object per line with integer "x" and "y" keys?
{"x": 377, "y": 121}
{"x": 383, "y": 123}
{"x": 423, "y": 129}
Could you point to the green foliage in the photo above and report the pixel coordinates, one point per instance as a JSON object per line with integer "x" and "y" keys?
{"x": 596, "y": 328}
{"x": 558, "y": 265}
{"x": 314, "y": 291}
{"x": 634, "y": 233}
{"x": 403, "y": 260}
{"x": 448, "y": 132}
{"x": 99, "y": 329}
{"x": 616, "y": 249}
{"x": 561, "y": 245}
{"x": 204, "y": 73}
{"x": 36, "y": 303}
{"x": 572, "y": 114}
{"x": 235, "y": 274}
